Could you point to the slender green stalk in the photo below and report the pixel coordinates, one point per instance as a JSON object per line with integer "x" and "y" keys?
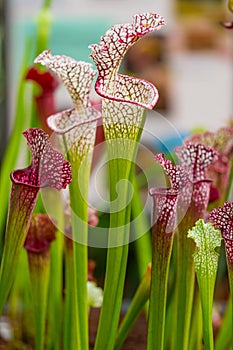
{"x": 55, "y": 308}
{"x": 195, "y": 339}
{"x": 230, "y": 183}
{"x": 164, "y": 217}
{"x": 44, "y": 21}
{"x": 222, "y": 218}
{"x": 13, "y": 147}
{"x": 143, "y": 243}
{"x": 79, "y": 206}
{"x": 230, "y": 276}
{"x": 224, "y": 335}
{"x": 17, "y": 225}
{"x": 122, "y": 148}
{"x": 140, "y": 298}
{"x": 119, "y": 169}
{"x": 55, "y": 297}
{"x": 207, "y": 238}
{"x": 24, "y": 112}
{"x": 69, "y": 339}
{"x": 18, "y": 289}
{"x": 40, "y": 234}
{"x": 47, "y": 3}
{"x": 39, "y": 280}
{"x": 162, "y": 247}
{"x": 184, "y": 287}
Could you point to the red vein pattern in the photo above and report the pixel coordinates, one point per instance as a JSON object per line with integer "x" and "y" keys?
{"x": 78, "y": 123}
{"x": 196, "y": 158}
{"x": 48, "y": 167}
{"x": 222, "y": 218}
{"x": 165, "y": 199}
{"x": 108, "y": 55}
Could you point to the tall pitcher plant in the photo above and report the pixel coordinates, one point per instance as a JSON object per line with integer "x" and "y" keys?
{"x": 123, "y": 101}
{"x": 77, "y": 127}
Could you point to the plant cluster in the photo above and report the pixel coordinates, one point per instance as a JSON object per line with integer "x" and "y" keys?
{"x": 177, "y": 259}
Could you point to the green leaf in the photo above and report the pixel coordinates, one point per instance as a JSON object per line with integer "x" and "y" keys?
{"x": 207, "y": 238}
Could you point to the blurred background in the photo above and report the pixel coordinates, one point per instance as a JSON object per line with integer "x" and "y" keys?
{"x": 189, "y": 60}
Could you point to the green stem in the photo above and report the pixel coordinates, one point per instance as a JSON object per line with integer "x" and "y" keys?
{"x": 141, "y": 230}
{"x": 55, "y": 311}
{"x": 18, "y": 290}
{"x": 224, "y": 335}
{"x": 13, "y": 147}
{"x": 39, "y": 280}
{"x": 195, "y": 339}
{"x": 69, "y": 340}
{"x": 79, "y": 206}
{"x": 207, "y": 238}
{"x": 230, "y": 276}
{"x": 230, "y": 183}
{"x": 121, "y": 153}
{"x": 140, "y": 298}
{"x": 184, "y": 287}
{"x": 44, "y": 21}
{"x": 22, "y": 203}
{"x": 47, "y": 4}
{"x": 206, "y": 293}
{"x": 162, "y": 247}
{"x": 122, "y": 147}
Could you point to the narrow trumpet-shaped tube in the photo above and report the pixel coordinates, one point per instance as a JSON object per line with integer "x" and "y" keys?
{"x": 77, "y": 128}
{"x": 123, "y": 101}
{"x": 164, "y": 221}
{"x": 193, "y": 200}
{"x": 40, "y": 234}
{"x": 48, "y": 169}
{"x": 222, "y": 218}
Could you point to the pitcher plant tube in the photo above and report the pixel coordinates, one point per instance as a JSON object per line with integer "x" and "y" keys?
{"x": 48, "y": 169}
{"x": 207, "y": 238}
{"x": 222, "y": 218}
{"x": 220, "y": 171}
{"x": 124, "y": 99}
{"x": 77, "y": 126}
{"x": 195, "y": 158}
{"x": 40, "y": 234}
{"x": 164, "y": 223}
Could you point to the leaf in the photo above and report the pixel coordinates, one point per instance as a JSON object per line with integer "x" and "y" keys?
{"x": 207, "y": 238}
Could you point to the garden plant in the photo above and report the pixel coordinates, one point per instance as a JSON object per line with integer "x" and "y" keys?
{"x": 47, "y": 284}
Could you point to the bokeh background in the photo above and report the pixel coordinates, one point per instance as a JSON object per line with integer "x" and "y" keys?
{"x": 189, "y": 60}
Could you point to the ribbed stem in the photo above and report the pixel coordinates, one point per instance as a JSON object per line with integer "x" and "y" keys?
{"x": 69, "y": 340}
{"x": 39, "y": 280}
{"x": 13, "y": 146}
{"x": 230, "y": 276}
{"x": 184, "y": 286}
{"x": 140, "y": 298}
{"x": 141, "y": 229}
{"x": 79, "y": 206}
{"x": 162, "y": 247}
{"x": 22, "y": 202}
{"x": 224, "y": 335}
{"x": 120, "y": 169}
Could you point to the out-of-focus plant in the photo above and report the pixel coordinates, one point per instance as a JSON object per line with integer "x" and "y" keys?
{"x": 24, "y": 108}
